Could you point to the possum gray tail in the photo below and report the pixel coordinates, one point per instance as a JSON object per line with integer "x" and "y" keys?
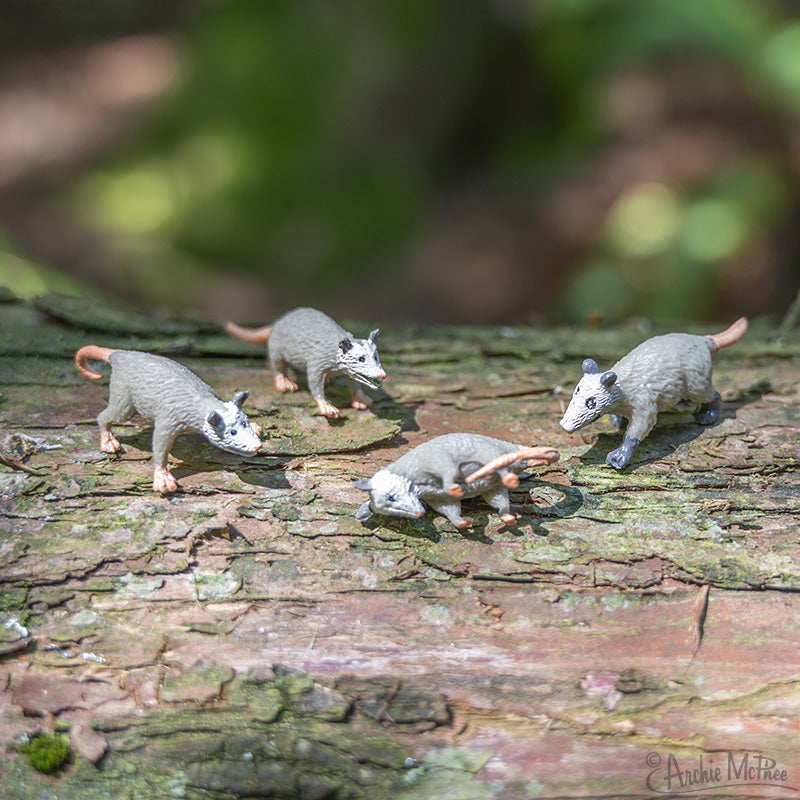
{"x": 252, "y": 335}
{"x": 729, "y": 335}
{"x": 91, "y": 351}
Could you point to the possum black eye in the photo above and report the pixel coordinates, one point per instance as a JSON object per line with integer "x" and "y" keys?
{"x": 390, "y": 498}
{"x": 591, "y": 403}
{"x": 362, "y": 359}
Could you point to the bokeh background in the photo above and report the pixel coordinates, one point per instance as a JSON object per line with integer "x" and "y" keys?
{"x": 449, "y": 161}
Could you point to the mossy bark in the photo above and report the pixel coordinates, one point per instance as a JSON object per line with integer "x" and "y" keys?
{"x": 247, "y": 637}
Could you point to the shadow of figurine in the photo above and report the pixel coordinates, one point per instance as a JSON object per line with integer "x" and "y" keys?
{"x": 569, "y": 505}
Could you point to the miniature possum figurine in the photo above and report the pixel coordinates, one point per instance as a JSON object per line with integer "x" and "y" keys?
{"x": 311, "y": 341}
{"x": 444, "y": 470}
{"x": 654, "y": 376}
{"x": 174, "y": 399}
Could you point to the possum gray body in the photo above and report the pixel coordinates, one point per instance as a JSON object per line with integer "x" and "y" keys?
{"x": 174, "y": 399}
{"x": 310, "y": 341}
{"x": 656, "y": 375}
{"x": 447, "y": 468}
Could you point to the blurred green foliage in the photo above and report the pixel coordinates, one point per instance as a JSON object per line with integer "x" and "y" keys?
{"x": 312, "y": 143}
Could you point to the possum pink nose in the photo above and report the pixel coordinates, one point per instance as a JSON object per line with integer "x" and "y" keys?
{"x": 257, "y": 446}
{"x": 421, "y": 513}
{"x": 381, "y": 376}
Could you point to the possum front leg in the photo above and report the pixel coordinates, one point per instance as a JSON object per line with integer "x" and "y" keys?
{"x": 316, "y": 385}
{"x": 359, "y": 399}
{"x": 451, "y": 510}
{"x": 620, "y": 457}
{"x": 163, "y": 480}
{"x": 642, "y": 420}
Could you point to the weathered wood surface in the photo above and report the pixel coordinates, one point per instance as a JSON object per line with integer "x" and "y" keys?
{"x": 247, "y": 637}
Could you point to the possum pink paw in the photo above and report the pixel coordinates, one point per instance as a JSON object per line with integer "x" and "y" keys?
{"x": 455, "y": 491}
{"x": 109, "y": 443}
{"x": 510, "y": 480}
{"x": 163, "y": 482}
{"x": 327, "y": 409}
{"x": 257, "y": 429}
{"x": 509, "y": 519}
{"x": 465, "y": 523}
{"x": 284, "y": 384}
{"x": 360, "y": 400}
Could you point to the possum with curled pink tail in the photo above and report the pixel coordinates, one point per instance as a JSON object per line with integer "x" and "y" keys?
{"x": 656, "y": 375}
{"x": 446, "y": 469}
{"x": 174, "y": 399}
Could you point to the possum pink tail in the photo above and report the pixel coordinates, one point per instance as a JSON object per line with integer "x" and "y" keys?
{"x": 252, "y": 335}
{"x": 534, "y": 456}
{"x": 91, "y": 351}
{"x": 729, "y": 335}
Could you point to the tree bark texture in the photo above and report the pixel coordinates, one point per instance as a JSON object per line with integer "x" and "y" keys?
{"x": 246, "y": 637}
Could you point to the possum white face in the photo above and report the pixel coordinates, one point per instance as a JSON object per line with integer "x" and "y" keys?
{"x": 390, "y": 494}
{"x": 596, "y": 394}
{"x": 359, "y": 360}
{"x": 228, "y": 428}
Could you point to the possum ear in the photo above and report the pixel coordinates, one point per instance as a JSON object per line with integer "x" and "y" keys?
{"x": 214, "y": 419}
{"x": 345, "y": 345}
{"x": 364, "y": 512}
{"x": 608, "y": 379}
{"x": 239, "y": 398}
{"x": 363, "y": 484}
{"x": 590, "y": 367}
{"x": 373, "y": 337}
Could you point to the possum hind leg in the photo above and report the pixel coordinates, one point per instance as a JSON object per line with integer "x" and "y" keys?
{"x": 499, "y": 501}
{"x": 283, "y": 383}
{"x": 316, "y": 385}
{"x": 708, "y": 413}
{"x": 120, "y": 408}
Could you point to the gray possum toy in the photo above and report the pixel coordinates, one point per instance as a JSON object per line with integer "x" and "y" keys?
{"x": 174, "y": 399}
{"x": 654, "y": 376}
{"x": 311, "y": 341}
{"x": 444, "y": 470}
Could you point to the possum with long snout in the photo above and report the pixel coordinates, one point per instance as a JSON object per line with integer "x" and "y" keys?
{"x": 311, "y": 341}
{"x": 446, "y": 469}
{"x": 174, "y": 399}
{"x": 654, "y": 376}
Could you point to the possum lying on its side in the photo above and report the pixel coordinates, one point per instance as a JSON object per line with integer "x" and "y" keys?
{"x": 447, "y": 468}
{"x": 654, "y": 376}
{"x": 174, "y": 399}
